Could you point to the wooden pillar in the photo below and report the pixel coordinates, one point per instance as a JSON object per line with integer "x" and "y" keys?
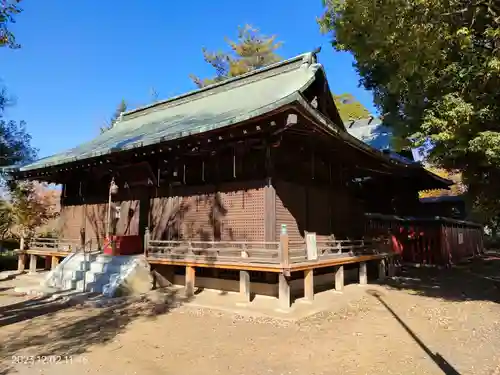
{"x": 21, "y": 262}
{"x": 245, "y": 285}
{"x": 284, "y": 251}
{"x": 382, "y": 269}
{"x": 190, "y": 279}
{"x": 309, "y": 285}
{"x": 32, "y": 263}
{"x": 339, "y": 279}
{"x": 363, "y": 274}
{"x": 284, "y": 292}
{"x": 55, "y": 262}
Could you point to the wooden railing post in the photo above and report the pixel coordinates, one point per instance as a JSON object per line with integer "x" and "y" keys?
{"x": 82, "y": 239}
{"x": 147, "y": 237}
{"x": 284, "y": 252}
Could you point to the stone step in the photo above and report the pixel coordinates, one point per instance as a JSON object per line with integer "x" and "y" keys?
{"x": 93, "y": 287}
{"x": 91, "y": 276}
{"x": 68, "y": 274}
{"x": 108, "y": 267}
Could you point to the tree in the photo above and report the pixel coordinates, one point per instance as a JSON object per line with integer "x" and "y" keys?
{"x": 15, "y": 142}
{"x": 122, "y": 107}
{"x": 349, "y": 108}
{"x": 434, "y": 69}
{"x": 31, "y": 205}
{"x": 456, "y": 189}
{"x": 8, "y": 10}
{"x": 252, "y": 50}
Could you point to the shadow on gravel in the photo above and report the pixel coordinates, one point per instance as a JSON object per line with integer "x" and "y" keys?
{"x": 438, "y": 359}
{"x": 73, "y": 332}
{"x": 477, "y": 280}
{"x": 18, "y": 312}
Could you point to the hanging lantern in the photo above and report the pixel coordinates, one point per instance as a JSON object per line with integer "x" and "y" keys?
{"x": 113, "y": 188}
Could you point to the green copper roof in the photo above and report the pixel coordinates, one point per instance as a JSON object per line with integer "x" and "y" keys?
{"x": 212, "y": 107}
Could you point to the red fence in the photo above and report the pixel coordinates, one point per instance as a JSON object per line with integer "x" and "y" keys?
{"x": 435, "y": 240}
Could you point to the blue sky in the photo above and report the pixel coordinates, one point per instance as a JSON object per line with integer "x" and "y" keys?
{"x": 78, "y": 61}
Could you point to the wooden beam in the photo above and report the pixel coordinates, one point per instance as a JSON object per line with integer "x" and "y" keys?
{"x": 190, "y": 281}
{"x": 245, "y": 285}
{"x": 363, "y": 274}
{"x": 48, "y": 252}
{"x": 309, "y": 285}
{"x": 284, "y": 292}
{"x": 339, "y": 279}
{"x": 335, "y": 262}
{"x": 227, "y": 266}
{"x": 269, "y": 212}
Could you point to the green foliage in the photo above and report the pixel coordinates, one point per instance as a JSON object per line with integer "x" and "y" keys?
{"x": 349, "y": 108}
{"x": 8, "y": 10}
{"x": 8, "y": 261}
{"x": 122, "y": 107}
{"x": 15, "y": 141}
{"x": 434, "y": 69}
{"x": 252, "y": 50}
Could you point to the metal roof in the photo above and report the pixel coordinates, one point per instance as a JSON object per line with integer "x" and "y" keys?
{"x": 215, "y": 106}
{"x": 371, "y": 131}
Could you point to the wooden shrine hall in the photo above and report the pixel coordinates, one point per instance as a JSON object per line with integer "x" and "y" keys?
{"x": 252, "y": 184}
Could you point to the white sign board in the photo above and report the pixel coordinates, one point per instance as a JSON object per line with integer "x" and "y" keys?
{"x": 460, "y": 238}
{"x": 311, "y": 248}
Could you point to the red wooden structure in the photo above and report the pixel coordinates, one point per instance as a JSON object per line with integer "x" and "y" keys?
{"x": 123, "y": 245}
{"x": 437, "y": 240}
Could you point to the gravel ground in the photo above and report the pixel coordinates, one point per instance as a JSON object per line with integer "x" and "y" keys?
{"x": 427, "y": 322}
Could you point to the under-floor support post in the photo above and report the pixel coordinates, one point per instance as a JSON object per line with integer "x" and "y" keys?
{"x": 21, "y": 262}
{"x": 382, "y": 269}
{"x": 339, "y": 279}
{"x": 190, "y": 279}
{"x": 284, "y": 292}
{"x": 309, "y": 285}
{"x": 32, "y": 263}
{"x": 392, "y": 268}
{"x": 54, "y": 262}
{"x": 363, "y": 274}
{"x": 245, "y": 285}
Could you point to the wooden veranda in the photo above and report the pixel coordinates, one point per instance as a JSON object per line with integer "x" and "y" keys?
{"x": 290, "y": 266}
